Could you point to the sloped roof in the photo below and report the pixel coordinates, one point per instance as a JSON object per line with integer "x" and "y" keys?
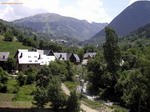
{"x": 77, "y": 57}
{"x": 45, "y": 52}
{"x": 61, "y": 56}
{"x": 89, "y": 54}
{"x": 4, "y": 56}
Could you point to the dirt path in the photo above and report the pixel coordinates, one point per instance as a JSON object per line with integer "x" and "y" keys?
{"x": 84, "y": 107}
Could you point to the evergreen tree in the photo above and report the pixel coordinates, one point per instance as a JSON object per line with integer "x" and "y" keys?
{"x": 111, "y": 50}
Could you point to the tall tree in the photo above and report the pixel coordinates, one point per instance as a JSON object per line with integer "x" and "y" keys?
{"x": 112, "y": 56}
{"x": 111, "y": 50}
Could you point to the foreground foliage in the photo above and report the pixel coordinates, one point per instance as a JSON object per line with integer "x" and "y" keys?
{"x": 121, "y": 74}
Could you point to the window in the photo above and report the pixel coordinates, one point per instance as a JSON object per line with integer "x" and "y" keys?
{"x": 35, "y": 56}
{"x": 3, "y": 56}
{"x": 29, "y": 56}
{"x": 30, "y": 60}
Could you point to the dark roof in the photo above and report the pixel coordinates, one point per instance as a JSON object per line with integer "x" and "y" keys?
{"x": 61, "y": 56}
{"x": 4, "y": 56}
{"x": 77, "y": 57}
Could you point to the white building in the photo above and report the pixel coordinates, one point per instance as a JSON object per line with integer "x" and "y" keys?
{"x": 34, "y": 58}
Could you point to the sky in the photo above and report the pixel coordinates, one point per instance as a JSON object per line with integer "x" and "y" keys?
{"x": 91, "y": 10}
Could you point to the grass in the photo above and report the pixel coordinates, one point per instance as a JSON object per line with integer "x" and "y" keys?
{"x": 11, "y": 47}
{"x": 71, "y": 85}
{"x": 12, "y": 85}
{"x": 25, "y": 93}
{"x": 119, "y": 109}
{"x": 92, "y": 104}
{"x": 20, "y": 99}
{"x": 6, "y": 97}
{"x": 16, "y": 104}
{"x": 6, "y": 100}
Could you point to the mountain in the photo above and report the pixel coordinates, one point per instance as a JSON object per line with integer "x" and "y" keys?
{"x": 142, "y": 32}
{"x": 61, "y": 26}
{"x": 133, "y": 17}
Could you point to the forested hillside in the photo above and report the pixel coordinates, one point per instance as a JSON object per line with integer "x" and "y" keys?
{"x": 18, "y": 37}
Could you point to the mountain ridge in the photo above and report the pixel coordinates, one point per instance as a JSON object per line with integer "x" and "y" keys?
{"x": 129, "y": 19}
{"x": 61, "y": 25}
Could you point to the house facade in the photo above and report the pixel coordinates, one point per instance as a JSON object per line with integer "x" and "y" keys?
{"x": 3, "y": 57}
{"x": 32, "y": 58}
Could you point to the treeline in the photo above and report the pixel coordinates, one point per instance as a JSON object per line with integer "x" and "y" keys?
{"x": 121, "y": 74}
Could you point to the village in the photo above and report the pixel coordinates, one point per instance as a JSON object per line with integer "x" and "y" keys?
{"x": 26, "y": 59}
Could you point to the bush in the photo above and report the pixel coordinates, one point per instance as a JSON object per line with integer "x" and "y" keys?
{"x": 21, "y": 79}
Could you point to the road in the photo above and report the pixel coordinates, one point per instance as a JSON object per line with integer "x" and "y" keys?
{"x": 83, "y": 106}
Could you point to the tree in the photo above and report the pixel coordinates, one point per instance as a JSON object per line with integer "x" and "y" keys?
{"x": 58, "y": 68}
{"x": 31, "y": 75}
{"x": 80, "y": 53}
{"x": 89, "y": 48}
{"x": 8, "y": 36}
{"x": 3, "y": 80}
{"x": 73, "y": 103}
{"x": 3, "y": 76}
{"x": 70, "y": 71}
{"x": 43, "y": 77}
{"x": 40, "y": 97}
{"x": 111, "y": 50}
{"x": 134, "y": 88}
{"x": 29, "y": 41}
{"x": 49, "y": 89}
{"x": 10, "y": 65}
{"x": 96, "y": 69}
{"x": 55, "y": 95}
{"x": 20, "y": 37}
{"x": 112, "y": 56}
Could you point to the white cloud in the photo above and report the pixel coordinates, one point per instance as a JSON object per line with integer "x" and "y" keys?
{"x": 132, "y": 1}
{"x": 91, "y": 10}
